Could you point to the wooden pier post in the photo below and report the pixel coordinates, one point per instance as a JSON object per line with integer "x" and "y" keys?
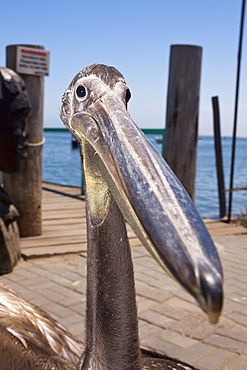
{"x": 218, "y": 155}
{"x": 25, "y": 187}
{"x": 180, "y": 148}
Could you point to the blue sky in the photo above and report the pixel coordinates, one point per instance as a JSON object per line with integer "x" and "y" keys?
{"x": 135, "y": 37}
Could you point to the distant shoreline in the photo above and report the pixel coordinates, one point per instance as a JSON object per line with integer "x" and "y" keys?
{"x": 61, "y": 128}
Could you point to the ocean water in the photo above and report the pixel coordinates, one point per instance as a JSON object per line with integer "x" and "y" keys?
{"x": 62, "y": 165}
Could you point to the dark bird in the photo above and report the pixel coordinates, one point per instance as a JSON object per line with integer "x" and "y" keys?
{"x": 126, "y": 180}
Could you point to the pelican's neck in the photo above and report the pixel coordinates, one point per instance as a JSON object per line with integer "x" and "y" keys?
{"x": 111, "y": 318}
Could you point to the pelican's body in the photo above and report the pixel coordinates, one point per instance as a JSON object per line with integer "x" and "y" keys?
{"x": 125, "y": 179}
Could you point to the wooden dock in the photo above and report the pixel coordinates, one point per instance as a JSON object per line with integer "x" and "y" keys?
{"x": 64, "y": 224}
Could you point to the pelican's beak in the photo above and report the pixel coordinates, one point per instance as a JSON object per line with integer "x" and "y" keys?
{"x": 152, "y": 199}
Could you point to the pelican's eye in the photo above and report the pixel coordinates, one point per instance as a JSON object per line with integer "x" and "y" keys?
{"x": 81, "y": 92}
{"x": 128, "y": 95}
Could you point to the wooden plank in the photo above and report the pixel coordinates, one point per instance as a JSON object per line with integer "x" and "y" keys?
{"x": 54, "y": 250}
{"x": 61, "y": 232}
{"x": 219, "y": 225}
{"x": 61, "y": 203}
{"x": 59, "y": 214}
{"x": 56, "y": 240}
{"x": 59, "y": 187}
{"x": 64, "y": 221}
{"x": 68, "y": 226}
{"x": 234, "y": 230}
{"x": 209, "y": 221}
{"x": 69, "y": 209}
{"x": 64, "y": 209}
{"x": 222, "y": 228}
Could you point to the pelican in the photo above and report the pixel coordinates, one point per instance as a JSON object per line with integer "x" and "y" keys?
{"x": 125, "y": 180}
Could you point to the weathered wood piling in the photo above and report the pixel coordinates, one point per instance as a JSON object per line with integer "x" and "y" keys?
{"x": 25, "y": 187}
{"x": 218, "y": 156}
{"x": 181, "y": 135}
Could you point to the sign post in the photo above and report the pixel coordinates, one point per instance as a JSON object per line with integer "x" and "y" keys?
{"x": 25, "y": 187}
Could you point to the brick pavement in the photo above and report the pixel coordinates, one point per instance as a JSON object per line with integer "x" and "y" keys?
{"x": 170, "y": 321}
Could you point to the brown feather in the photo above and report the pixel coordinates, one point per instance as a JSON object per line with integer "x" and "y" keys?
{"x": 31, "y": 325}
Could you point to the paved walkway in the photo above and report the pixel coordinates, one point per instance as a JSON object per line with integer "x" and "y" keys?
{"x": 170, "y": 321}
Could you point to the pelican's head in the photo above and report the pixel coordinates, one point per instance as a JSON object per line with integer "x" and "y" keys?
{"x": 119, "y": 159}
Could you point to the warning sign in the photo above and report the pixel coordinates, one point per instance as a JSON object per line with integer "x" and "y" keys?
{"x": 32, "y": 61}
